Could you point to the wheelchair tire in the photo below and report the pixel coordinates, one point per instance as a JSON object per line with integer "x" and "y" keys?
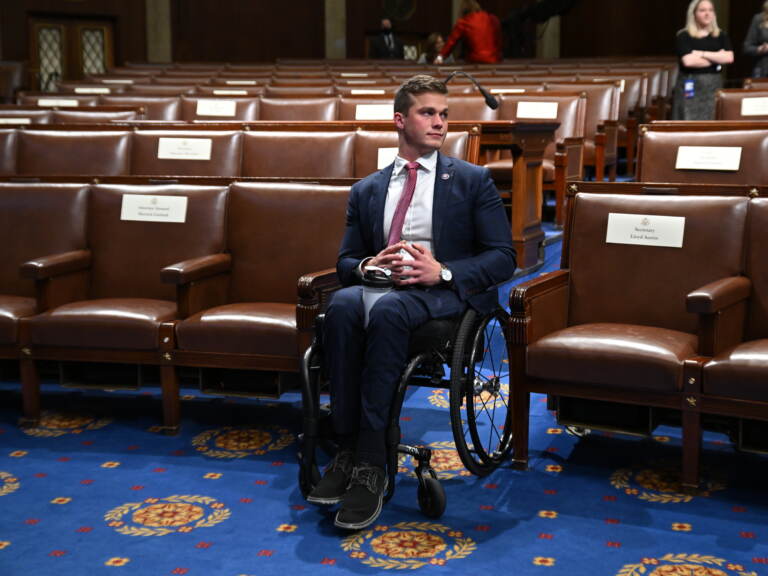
{"x": 309, "y": 475}
{"x": 431, "y": 498}
{"x": 481, "y": 417}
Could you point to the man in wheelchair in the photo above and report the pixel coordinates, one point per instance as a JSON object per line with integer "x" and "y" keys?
{"x": 438, "y": 225}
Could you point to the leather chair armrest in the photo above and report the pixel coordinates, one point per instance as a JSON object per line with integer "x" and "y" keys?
{"x": 314, "y": 291}
{"x": 722, "y": 309}
{"x": 56, "y": 264}
{"x": 196, "y": 269}
{"x": 718, "y": 295}
{"x": 538, "y": 307}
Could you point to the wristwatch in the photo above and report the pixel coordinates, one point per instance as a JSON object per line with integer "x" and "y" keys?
{"x": 445, "y": 274}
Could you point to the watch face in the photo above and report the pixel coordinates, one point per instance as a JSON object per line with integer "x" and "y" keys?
{"x": 446, "y": 275}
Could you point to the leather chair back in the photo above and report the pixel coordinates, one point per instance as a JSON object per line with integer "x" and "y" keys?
{"x": 647, "y": 285}
{"x": 728, "y": 104}
{"x": 74, "y": 152}
{"x": 216, "y": 108}
{"x": 757, "y": 271}
{"x": 166, "y": 108}
{"x": 85, "y": 116}
{"x": 298, "y": 154}
{"x": 224, "y": 159}
{"x": 38, "y": 220}
{"x": 8, "y": 150}
{"x": 659, "y": 149}
{"x": 128, "y": 255}
{"x": 470, "y": 108}
{"x": 269, "y": 257}
{"x": 299, "y": 109}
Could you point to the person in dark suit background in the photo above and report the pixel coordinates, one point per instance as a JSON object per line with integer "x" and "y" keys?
{"x": 386, "y": 45}
{"x": 439, "y": 225}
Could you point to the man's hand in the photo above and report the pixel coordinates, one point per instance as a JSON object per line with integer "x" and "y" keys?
{"x": 423, "y": 269}
{"x": 389, "y": 258}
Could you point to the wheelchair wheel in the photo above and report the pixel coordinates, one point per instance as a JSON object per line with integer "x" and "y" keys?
{"x": 309, "y": 475}
{"x": 481, "y": 417}
{"x": 432, "y": 499}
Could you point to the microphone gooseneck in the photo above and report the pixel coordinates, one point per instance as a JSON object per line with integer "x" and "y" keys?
{"x": 490, "y": 101}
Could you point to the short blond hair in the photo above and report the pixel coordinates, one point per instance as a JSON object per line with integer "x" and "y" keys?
{"x": 690, "y": 20}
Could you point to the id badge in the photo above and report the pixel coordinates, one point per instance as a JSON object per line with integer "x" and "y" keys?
{"x": 689, "y": 89}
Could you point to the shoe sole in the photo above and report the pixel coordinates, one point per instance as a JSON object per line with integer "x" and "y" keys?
{"x": 368, "y": 521}
{"x": 323, "y": 501}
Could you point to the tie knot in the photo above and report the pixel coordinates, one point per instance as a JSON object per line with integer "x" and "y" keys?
{"x": 413, "y": 166}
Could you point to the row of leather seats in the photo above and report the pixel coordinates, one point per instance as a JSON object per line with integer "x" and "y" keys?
{"x": 224, "y": 153}
{"x": 167, "y": 276}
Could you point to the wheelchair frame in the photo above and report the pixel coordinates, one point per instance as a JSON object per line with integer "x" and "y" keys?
{"x": 475, "y": 389}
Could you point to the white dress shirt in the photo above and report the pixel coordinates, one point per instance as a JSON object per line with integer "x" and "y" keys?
{"x": 417, "y": 227}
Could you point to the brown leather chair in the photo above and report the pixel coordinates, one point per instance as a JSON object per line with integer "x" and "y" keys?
{"x": 114, "y": 308}
{"x": 218, "y": 108}
{"x": 160, "y": 89}
{"x": 44, "y": 221}
{"x": 223, "y": 160}
{"x": 256, "y": 325}
{"x": 229, "y": 90}
{"x": 734, "y": 380}
{"x": 167, "y": 108}
{"x": 564, "y": 157}
{"x": 601, "y": 139}
{"x": 299, "y": 109}
{"x": 283, "y": 154}
{"x": 13, "y": 114}
{"x": 8, "y": 151}
{"x": 619, "y": 322}
{"x": 75, "y": 152}
{"x": 660, "y": 146}
{"x": 732, "y": 104}
{"x": 351, "y": 108}
{"x": 53, "y": 99}
{"x": 272, "y": 91}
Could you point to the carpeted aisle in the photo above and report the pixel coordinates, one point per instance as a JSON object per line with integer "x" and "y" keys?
{"x": 95, "y": 490}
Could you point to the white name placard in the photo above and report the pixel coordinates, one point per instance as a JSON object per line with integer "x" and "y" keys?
{"x": 63, "y": 102}
{"x": 354, "y": 74}
{"x": 374, "y": 112}
{"x": 92, "y": 90}
{"x": 507, "y": 90}
{"x": 241, "y": 82}
{"x": 754, "y": 106}
{"x": 361, "y": 91}
{"x": 184, "y": 149}
{"x": 545, "y": 110}
{"x": 15, "y": 120}
{"x": 645, "y": 230}
{"x": 212, "y": 107}
{"x": 117, "y": 81}
{"x": 708, "y": 158}
{"x": 386, "y": 157}
{"x": 230, "y": 92}
{"x": 361, "y": 81}
{"x": 147, "y": 208}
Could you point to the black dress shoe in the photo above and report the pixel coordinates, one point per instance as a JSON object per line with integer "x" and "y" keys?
{"x": 362, "y": 503}
{"x": 334, "y": 482}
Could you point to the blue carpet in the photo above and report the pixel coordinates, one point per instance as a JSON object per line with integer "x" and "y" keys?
{"x": 96, "y": 490}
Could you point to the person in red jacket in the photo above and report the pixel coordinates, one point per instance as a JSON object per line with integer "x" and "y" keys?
{"x": 481, "y": 32}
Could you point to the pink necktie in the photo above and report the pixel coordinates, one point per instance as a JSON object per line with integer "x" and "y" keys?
{"x": 396, "y": 229}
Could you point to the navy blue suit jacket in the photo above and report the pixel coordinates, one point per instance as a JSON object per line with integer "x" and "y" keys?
{"x": 470, "y": 230}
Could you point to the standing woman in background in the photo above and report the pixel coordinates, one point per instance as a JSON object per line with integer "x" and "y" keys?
{"x": 480, "y": 31}
{"x": 702, "y": 49}
{"x": 756, "y": 43}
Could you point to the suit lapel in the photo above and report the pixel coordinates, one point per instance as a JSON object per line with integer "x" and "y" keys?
{"x": 377, "y": 203}
{"x": 441, "y": 200}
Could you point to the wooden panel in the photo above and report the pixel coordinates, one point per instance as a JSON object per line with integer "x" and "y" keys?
{"x": 128, "y": 18}
{"x": 252, "y": 31}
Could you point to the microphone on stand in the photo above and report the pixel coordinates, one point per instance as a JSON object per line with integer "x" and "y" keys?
{"x": 490, "y": 101}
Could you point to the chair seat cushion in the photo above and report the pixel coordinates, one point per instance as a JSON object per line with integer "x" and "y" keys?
{"x": 501, "y": 170}
{"x": 620, "y": 355}
{"x": 741, "y": 372}
{"x": 11, "y": 309}
{"x": 263, "y": 328}
{"x": 130, "y": 323}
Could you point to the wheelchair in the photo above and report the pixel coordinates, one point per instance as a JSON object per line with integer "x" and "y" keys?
{"x": 467, "y": 355}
